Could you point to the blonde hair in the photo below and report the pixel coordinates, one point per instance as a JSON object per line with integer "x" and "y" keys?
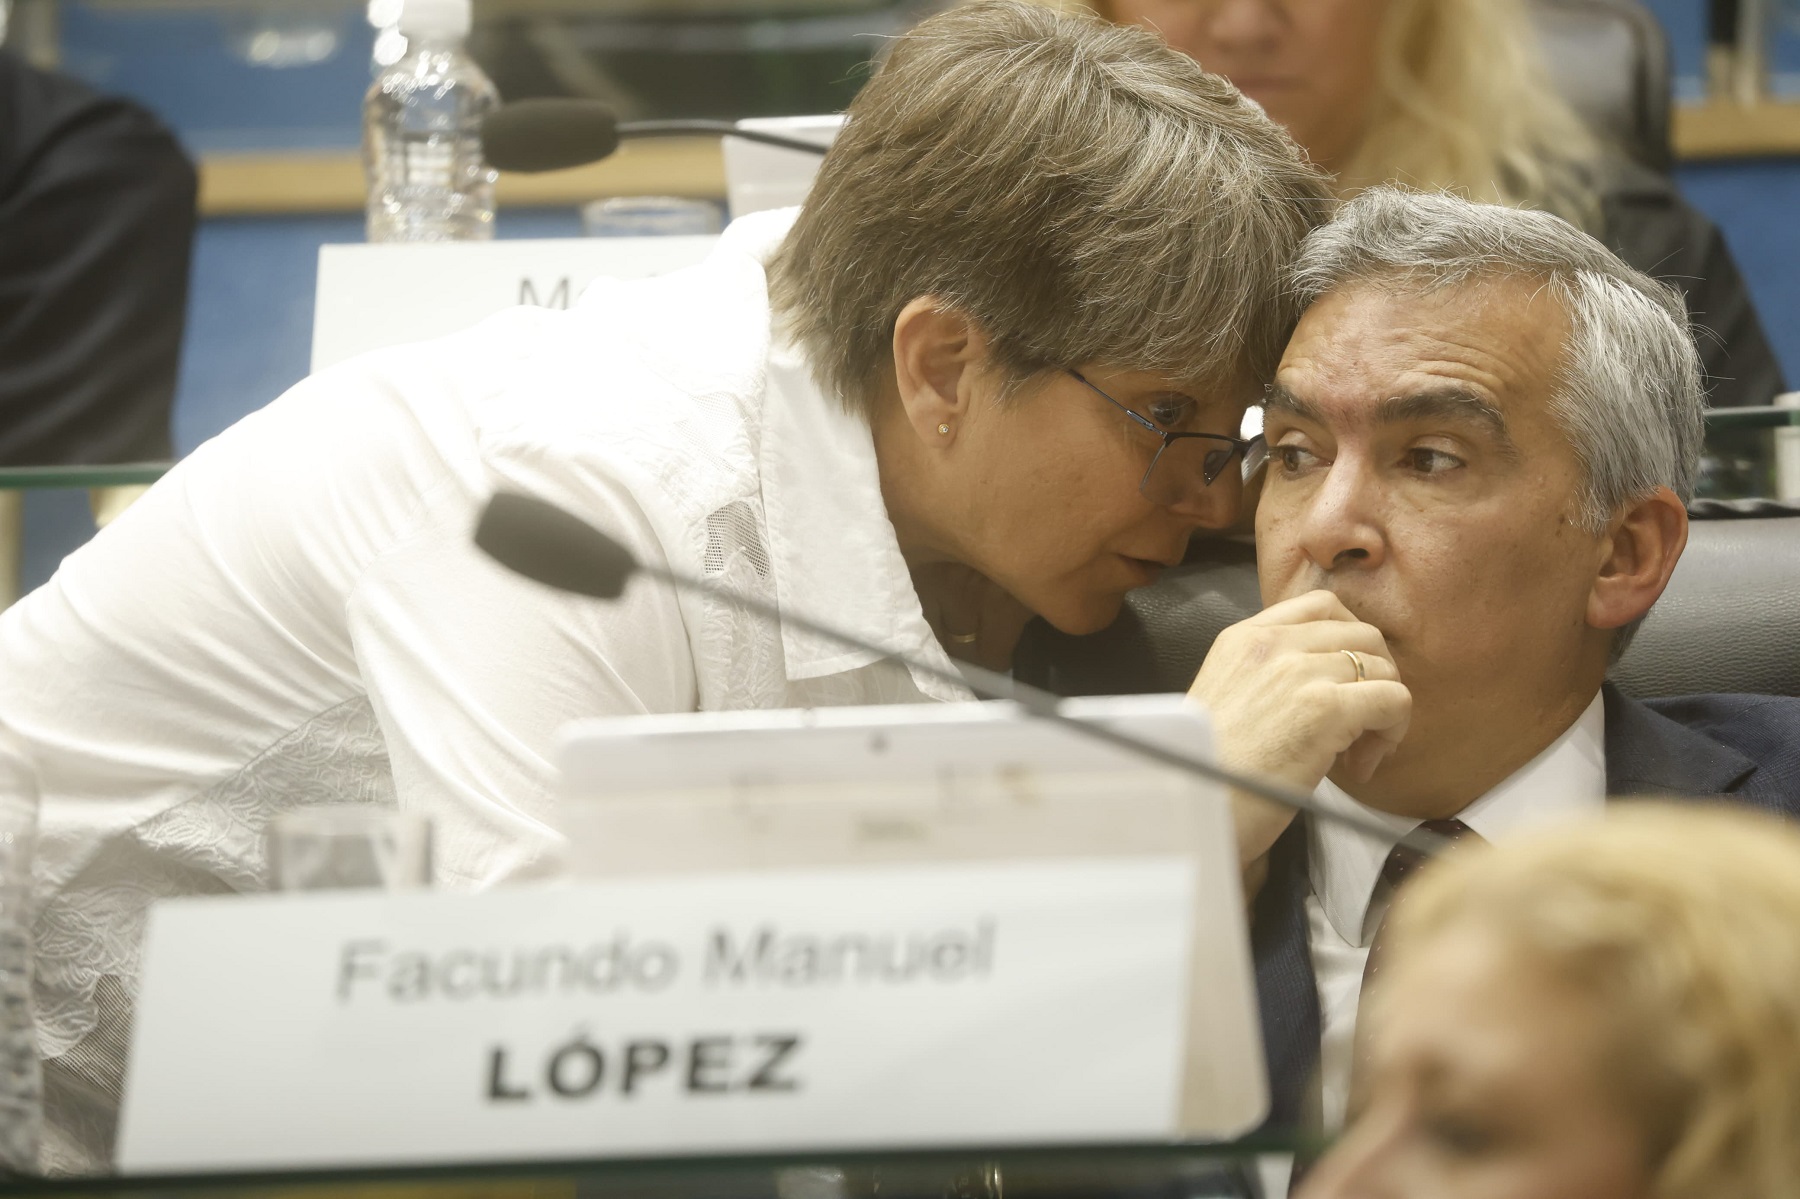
{"x": 1464, "y": 103}
{"x": 1079, "y": 190}
{"x": 1683, "y": 924}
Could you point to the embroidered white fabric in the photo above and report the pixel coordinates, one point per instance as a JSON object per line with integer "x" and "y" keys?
{"x": 89, "y": 933}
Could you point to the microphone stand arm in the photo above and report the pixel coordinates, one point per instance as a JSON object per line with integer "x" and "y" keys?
{"x": 702, "y": 128}
{"x": 989, "y": 684}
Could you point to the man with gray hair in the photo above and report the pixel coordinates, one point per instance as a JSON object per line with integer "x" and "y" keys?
{"x": 1482, "y": 438}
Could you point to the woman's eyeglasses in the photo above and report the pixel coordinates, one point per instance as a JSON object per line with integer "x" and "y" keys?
{"x": 1188, "y": 463}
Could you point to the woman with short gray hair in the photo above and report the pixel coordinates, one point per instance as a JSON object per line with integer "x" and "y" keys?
{"x": 997, "y": 367}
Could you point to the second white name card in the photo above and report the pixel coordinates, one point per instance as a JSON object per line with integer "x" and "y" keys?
{"x": 921, "y": 1005}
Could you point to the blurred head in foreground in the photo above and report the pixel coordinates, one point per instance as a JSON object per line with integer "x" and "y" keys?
{"x": 1040, "y": 244}
{"x": 1601, "y": 1011}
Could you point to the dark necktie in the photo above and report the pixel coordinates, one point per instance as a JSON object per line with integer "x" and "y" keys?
{"x": 1402, "y": 862}
{"x": 1400, "y": 866}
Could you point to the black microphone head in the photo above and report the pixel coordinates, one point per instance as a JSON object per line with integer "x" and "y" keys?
{"x": 548, "y": 134}
{"x": 553, "y": 546}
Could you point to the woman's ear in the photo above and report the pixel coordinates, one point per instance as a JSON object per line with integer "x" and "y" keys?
{"x": 1639, "y": 556}
{"x": 936, "y": 352}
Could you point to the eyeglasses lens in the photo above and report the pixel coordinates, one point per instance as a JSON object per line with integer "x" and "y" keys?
{"x": 1185, "y": 469}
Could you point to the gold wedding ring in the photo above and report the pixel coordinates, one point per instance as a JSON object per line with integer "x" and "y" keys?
{"x": 1362, "y": 676}
{"x": 962, "y": 638}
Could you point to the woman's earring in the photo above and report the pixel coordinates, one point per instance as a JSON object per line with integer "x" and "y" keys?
{"x": 944, "y": 429}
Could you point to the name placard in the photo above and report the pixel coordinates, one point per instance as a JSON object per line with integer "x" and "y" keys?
{"x": 373, "y": 296}
{"x": 945, "y": 1004}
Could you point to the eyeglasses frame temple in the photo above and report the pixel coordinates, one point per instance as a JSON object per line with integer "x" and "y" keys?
{"x": 1241, "y": 446}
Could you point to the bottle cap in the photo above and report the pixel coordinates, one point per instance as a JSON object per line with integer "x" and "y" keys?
{"x": 436, "y": 18}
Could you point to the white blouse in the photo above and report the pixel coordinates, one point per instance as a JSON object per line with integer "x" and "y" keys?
{"x": 296, "y": 614}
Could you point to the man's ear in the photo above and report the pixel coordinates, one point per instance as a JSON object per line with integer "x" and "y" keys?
{"x": 936, "y": 348}
{"x": 1640, "y": 555}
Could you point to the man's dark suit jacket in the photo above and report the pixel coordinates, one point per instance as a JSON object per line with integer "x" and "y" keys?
{"x": 1743, "y": 748}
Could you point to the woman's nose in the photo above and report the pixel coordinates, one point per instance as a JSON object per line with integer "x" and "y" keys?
{"x": 1360, "y": 1165}
{"x": 1246, "y": 24}
{"x": 1213, "y": 506}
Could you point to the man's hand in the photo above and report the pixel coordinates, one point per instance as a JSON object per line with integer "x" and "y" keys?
{"x": 1286, "y": 705}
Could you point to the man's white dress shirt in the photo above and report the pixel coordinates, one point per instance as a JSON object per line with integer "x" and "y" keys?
{"x": 1566, "y": 780}
{"x": 296, "y": 614}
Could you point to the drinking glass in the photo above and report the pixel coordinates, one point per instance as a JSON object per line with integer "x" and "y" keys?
{"x": 21, "y": 1093}
{"x": 651, "y": 216}
{"x": 335, "y": 847}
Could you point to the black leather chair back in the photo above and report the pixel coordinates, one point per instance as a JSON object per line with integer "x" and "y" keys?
{"x": 1729, "y": 621}
{"x": 1610, "y": 59}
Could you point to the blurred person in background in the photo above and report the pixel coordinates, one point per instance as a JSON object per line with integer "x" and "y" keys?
{"x": 996, "y": 366}
{"x": 1454, "y": 95}
{"x": 1609, "y": 1010}
{"x": 96, "y": 225}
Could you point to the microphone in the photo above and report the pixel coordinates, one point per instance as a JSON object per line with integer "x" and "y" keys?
{"x": 551, "y": 134}
{"x": 557, "y": 548}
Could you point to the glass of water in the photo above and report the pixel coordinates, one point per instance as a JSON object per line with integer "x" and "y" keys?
{"x": 335, "y": 847}
{"x": 651, "y": 216}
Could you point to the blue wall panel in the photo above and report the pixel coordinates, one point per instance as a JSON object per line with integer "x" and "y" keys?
{"x": 183, "y": 66}
{"x": 1757, "y": 206}
{"x": 249, "y": 333}
{"x": 1685, "y": 22}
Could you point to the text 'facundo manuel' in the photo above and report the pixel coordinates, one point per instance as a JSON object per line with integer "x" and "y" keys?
{"x": 373, "y": 969}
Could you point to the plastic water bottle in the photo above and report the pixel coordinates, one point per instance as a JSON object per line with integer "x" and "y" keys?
{"x": 21, "y": 1084}
{"x": 422, "y": 133}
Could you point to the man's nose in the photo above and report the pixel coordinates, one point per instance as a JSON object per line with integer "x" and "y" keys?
{"x": 1341, "y": 528}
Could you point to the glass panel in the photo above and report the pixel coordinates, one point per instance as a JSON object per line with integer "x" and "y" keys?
{"x": 1140, "y": 1172}
{"x": 130, "y": 474}
{"x": 1749, "y": 454}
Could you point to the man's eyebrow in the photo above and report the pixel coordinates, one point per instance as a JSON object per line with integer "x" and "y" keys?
{"x": 1451, "y": 403}
{"x": 1281, "y": 399}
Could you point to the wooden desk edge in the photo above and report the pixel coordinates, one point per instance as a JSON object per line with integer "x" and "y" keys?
{"x": 332, "y": 181}
{"x": 1718, "y": 129}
